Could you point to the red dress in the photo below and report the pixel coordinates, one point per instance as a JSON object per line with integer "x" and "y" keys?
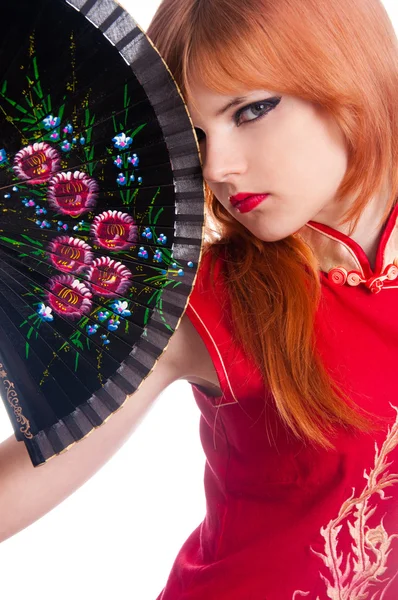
{"x": 285, "y": 520}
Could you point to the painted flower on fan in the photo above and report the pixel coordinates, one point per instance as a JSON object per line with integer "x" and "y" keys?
{"x": 121, "y": 140}
{"x": 40, "y": 211}
{"x": 37, "y": 163}
{"x": 118, "y": 161}
{"x": 82, "y": 140}
{"x": 105, "y": 340}
{"x": 45, "y": 313}
{"x": 92, "y": 329}
{"x": 114, "y": 230}
{"x": 108, "y": 277}
{"x": 66, "y": 146}
{"x": 28, "y": 202}
{"x": 121, "y": 308}
{"x": 68, "y": 128}
{"x": 3, "y": 156}
{"x": 43, "y": 224}
{"x": 69, "y": 296}
{"x": 121, "y": 179}
{"x": 113, "y": 324}
{"x": 162, "y": 239}
{"x": 62, "y": 225}
{"x": 134, "y": 160}
{"x": 51, "y": 122}
{"x": 103, "y": 315}
{"x": 7, "y": 195}
{"x": 147, "y": 233}
{"x": 72, "y": 193}
{"x": 142, "y": 252}
{"x": 158, "y": 256}
{"x": 70, "y": 254}
{"x": 54, "y": 135}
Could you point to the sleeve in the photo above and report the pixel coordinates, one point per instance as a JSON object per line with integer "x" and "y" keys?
{"x": 209, "y": 312}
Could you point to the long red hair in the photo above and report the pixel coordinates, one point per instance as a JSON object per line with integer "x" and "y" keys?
{"x": 343, "y": 55}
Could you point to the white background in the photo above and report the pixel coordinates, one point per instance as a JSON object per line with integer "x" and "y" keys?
{"x": 118, "y": 535}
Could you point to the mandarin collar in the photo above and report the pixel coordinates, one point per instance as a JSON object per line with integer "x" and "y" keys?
{"x": 344, "y": 261}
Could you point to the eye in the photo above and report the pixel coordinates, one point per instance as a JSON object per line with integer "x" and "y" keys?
{"x": 255, "y": 111}
{"x": 200, "y": 134}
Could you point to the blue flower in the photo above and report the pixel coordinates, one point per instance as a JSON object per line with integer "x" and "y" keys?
{"x": 118, "y": 161}
{"x": 158, "y": 256}
{"x": 113, "y": 325}
{"x": 134, "y": 160}
{"x": 121, "y": 180}
{"x": 68, "y": 128}
{"x": 147, "y": 233}
{"x": 45, "y": 313}
{"x": 162, "y": 239}
{"x": 15, "y": 189}
{"x": 121, "y": 308}
{"x": 190, "y": 264}
{"x": 62, "y": 225}
{"x": 51, "y": 122}
{"x": 3, "y": 156}
{"x": 132, "y": 178}
{"x": 43, "y": 224}
{"x": 143, "y": 253}
{"x": 66, "y": 146}
{"x": 103, "y": 315}
{"x": 180, "y": 272}
{"x": 28, "y": 202}
{"x": 7, "y": 196}
{"x": 105, "y": 340}
{"x": 122, "y": 141}
{"x": 82, "y": 140}
{"x": 91, "y": 329}
{"x": 54, "y": 135}
{"x": 40, "y": 211}
{"x": 139, "y": 180}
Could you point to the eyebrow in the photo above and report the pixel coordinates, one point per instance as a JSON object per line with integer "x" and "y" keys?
{"x": 233, "y": 102}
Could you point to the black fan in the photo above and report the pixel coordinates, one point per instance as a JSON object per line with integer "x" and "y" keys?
{"x": 101, "y": 215}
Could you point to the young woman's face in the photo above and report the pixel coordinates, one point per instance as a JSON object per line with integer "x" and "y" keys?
{"x": 266, "y": 143}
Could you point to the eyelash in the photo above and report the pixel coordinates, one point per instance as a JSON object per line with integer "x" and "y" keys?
{"x": 269, "y": 104}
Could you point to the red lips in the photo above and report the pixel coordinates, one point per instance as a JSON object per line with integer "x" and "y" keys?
{"x": 239, "y": 197}
{"x": 245, "y": 203}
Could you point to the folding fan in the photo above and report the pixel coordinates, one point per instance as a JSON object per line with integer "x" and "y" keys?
{"x": 101, "y": 215}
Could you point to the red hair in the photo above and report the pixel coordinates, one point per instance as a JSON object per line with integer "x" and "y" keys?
{"x": 343, "y": 55}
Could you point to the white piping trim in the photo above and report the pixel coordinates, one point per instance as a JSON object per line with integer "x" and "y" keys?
{"x": 350, "y": 250}
{"x": 221, "y": 360}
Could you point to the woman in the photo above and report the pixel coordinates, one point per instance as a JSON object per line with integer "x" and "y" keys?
{"x": 290, "y": 338}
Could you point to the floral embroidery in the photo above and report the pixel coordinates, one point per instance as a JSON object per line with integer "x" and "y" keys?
{"x": 354, "y": 576}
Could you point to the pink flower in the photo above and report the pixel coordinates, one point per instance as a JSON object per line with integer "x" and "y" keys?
{"x": 114, "y": 230}
{"x": 70, "y": 254}
{"x": 108, "y": 277}
{"x": 72, "y": 193}
{"x": 37, "y": 163}
{"x": 69, "y": 296}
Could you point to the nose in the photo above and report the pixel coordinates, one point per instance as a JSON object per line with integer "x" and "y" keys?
{"x": 221, "y": 160}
